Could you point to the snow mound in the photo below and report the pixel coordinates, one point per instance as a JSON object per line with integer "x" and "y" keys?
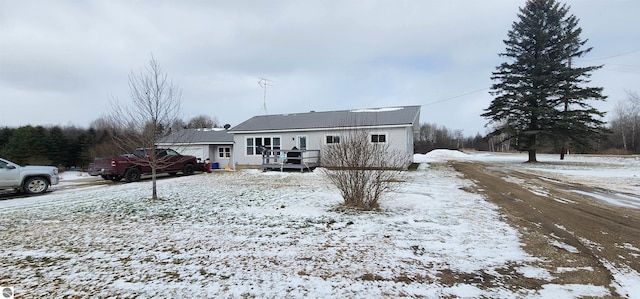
{"x": 442, "y": 153}
{"x": 439, "y": 155}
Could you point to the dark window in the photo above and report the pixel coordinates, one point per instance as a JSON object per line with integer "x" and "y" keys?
{"x": 224, "y": 152}
{"x": 378, "y": 138}
{"x": 333, "y": 139}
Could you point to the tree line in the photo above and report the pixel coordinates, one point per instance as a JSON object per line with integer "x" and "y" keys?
{"x": 620, "y": 136}
{"x": 70, "y": 146}
{"x": 61, "y": 146}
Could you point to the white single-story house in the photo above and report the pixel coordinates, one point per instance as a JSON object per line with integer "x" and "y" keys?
{"x": 215, "y": 144}
{"x": 242, "y": 146}
{"x": 311, "y": 131}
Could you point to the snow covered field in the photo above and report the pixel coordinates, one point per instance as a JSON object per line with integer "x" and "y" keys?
{"x": 274, "y": 235}
{"x": 616, "y": 173}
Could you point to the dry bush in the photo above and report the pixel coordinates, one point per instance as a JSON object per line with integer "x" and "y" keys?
{"x": 363, "y": 171}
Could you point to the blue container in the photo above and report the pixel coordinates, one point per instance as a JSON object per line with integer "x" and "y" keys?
{"x": 215, "y": 165}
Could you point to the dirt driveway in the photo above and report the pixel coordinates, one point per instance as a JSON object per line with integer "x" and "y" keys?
{"x": 578, "y": 239}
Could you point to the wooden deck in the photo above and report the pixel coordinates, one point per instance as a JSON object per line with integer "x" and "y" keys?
{"x": 290, "y": 159}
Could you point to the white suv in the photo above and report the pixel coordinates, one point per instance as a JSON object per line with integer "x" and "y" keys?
{"x": 30, "y": 179}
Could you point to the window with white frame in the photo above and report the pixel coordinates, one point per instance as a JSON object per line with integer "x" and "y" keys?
{"x": 224, "y": 152}
{"x": 332, "y": 139}
{"x": 378, "y": 138}
{"x": 254, "y": 145}
{"x": 301, "y": 142}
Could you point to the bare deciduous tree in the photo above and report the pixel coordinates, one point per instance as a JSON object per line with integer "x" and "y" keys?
{"x": 498, "y": 142}
{"x": 432, "y": 136}
{"x": 146, "y": 119}
{"x": 202, "y": 121}
{"x": 625, "y": 124}
{"x": 363, "y": 170}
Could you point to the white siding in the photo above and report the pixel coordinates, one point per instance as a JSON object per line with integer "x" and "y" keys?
{"x": 204, "y": 151}
{"x": 199, "y": 151}
{"x": 398, "y": 138}
{"x": 214, "y": 155}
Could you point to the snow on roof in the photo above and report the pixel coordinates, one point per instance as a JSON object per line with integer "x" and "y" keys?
{"x": 377, "y": 109}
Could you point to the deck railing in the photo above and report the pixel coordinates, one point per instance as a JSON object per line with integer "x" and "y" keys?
{"x": 290, "y": 159}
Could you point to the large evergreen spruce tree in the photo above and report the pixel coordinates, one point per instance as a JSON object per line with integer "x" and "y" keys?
{"x": 540, "y": 97}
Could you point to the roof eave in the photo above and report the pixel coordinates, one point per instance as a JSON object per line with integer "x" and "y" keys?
{"x": 324, "y": 129}
{"x": 197, "y": 143}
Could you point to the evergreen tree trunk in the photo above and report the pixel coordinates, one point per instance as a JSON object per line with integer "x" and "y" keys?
{"x": 532, "y": 149}
{"x": 532, "y": 155}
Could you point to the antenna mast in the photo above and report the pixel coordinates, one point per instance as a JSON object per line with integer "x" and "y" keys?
{"x": 264, "y": 82}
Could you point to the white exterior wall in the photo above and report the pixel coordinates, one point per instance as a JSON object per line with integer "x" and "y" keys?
{"x": 398, "y": 138}
{"x": 214, "y": 155}
{"x": 199, "y": 151}
{"x": 204, "y": 151}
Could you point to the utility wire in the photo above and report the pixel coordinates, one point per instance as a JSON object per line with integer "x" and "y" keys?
{"x": 615, "y": 55}
{"x": 581, "y": 60}
{"x": 458, "y": 96}
{"x": 625, "y": 68}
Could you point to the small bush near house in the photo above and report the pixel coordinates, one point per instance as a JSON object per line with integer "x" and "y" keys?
{"x": 363, "y": 171}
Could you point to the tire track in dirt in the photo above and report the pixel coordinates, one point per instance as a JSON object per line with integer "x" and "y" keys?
{"x": 579, "y": 239}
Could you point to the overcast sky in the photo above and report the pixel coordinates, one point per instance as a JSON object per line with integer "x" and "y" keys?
{"x": 62, "y": 61}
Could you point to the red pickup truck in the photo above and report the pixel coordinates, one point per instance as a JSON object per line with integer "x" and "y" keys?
{"x": 132, "y": 166}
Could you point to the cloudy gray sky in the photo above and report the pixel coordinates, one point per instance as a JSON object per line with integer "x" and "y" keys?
{"x": 62, "y": 61}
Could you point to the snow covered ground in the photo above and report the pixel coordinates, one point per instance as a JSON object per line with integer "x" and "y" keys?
{"x": 616, "y": 173}
{"x": 274, "y": 235}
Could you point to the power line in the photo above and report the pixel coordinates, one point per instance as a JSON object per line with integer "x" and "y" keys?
{"x": 622, "y": 68}
{"x": 615, "y": 55}
{"x": 625, "y": 68}
{"x": 630, "y": 68}
{"x": 458, "y": 96}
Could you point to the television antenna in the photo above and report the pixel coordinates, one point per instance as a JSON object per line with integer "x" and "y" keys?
{"x": 264, "y": 82}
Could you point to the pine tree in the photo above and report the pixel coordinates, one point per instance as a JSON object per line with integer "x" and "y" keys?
{"x": 27, "y": 146}
{"x": 57, "y": 146}
{"x": 540, "y": 97}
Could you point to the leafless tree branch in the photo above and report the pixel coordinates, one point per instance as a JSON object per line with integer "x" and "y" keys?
{"x": 146, "y": 119}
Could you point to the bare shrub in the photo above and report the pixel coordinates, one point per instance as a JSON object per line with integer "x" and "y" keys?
{"x": 363, "y": 170}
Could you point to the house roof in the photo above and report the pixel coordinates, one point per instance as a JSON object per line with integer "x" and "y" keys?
{"x": 390, "y": 116}
{"x": 214, "y": 135}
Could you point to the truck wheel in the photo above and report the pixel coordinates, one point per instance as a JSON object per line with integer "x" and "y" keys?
{"x": 35, "y": 185}
{"x": 188, "y": 169}
{"x": 132, "y": 175}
